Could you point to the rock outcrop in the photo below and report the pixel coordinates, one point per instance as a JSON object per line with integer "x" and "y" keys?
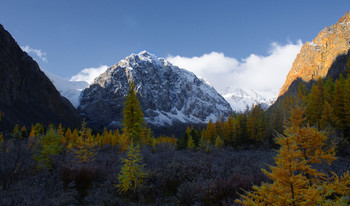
{"x": 26, "y": 95}
{"x": 168, "y": 95}
{"x": 316, "y": 58}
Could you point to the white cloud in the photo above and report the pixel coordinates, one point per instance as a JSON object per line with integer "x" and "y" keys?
{"x": 261, "y": 73}
{"x": 89, "y": 74}
{"x": 37, "y": 52}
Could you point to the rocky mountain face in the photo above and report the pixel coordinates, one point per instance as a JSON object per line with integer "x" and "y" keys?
{"x": 26, "y": 95}
{"x": 241, "y": 99}
{"x": 168, "y": 95}
{"x": 324, "y": 55}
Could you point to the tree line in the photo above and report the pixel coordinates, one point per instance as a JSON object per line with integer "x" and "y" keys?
{"x": 327, "y": 106}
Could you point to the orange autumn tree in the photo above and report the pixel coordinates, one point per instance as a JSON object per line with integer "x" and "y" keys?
{"x": 294, "y": 179}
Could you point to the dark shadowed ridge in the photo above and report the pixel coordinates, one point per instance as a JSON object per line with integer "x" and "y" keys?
{"x": 27, "y": 96}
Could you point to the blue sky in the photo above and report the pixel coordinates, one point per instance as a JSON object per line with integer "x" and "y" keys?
{"x": 77, "y": 34}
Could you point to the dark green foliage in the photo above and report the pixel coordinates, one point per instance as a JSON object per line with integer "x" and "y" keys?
{"x": 182, "y": 142}
{"x": 315, "y": 103}
{"x": 193, "y": 134}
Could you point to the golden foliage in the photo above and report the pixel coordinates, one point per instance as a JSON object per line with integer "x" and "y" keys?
{"x": 295, "y": 181}
{"x": 132, "y": 173}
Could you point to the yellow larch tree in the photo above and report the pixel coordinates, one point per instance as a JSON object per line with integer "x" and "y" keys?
{"x": 294, "y": 180}
{"x": 85, "y": 145}
{"x": 132, "y": 172}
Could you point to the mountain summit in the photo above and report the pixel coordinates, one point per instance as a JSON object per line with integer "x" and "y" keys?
{"x": 168, "y": 95}
{"x": 323, "y": 56}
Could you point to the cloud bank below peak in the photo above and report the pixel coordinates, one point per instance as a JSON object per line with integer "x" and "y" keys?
{"x": 257, "y": 72}
{"x": 89, "y": 74}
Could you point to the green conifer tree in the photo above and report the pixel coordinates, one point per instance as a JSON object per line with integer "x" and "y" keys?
{"x": 219, "y": 143}
{"x": 338, "y": 103}
{"x": 347, "y": 105}
{"x": 329, "y": 90}
{"x": 190, "y": 142}
{"x": 133, "y": 123}
{"x": 327, "y": 117}
{"x": 316, "y": 99}
{"x": 16, "y": 133}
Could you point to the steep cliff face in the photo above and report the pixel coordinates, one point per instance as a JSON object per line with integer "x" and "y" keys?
{"x": 168, "y": 95}
{"x": 26, "y": 95}
{"x": 317, "y": 57}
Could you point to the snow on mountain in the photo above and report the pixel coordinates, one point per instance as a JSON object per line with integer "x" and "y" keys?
{"x": 241, "y": 99}
{"x": 168, "y": 95}
{"x": 69, "y": 89}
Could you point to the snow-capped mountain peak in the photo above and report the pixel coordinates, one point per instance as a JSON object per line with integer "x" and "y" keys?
{"x": 167, "y": 94}
{"x": 241, "y": 99}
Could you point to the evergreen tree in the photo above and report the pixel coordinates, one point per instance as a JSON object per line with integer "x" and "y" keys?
{"x": 196, "y": 136}
{"x": 302, "y": 92}
{"x": 210, "y": 132}
{"x": 23, "y": 132}
{"x": 182, "y": 143}
{"x": 133, "y": 123}
{"x": 16, "y": 133}
{"x": 255, "y": 125}
{"x": 190, "y": 142}
{"x": 315, "y": 106}
{"x": 35, "y": 132}
{"x": 229, "y": 137}
{"x": 329, "y": 90}
{"x": 327, "y": 117}
{"x": 132, "y": 173}
{"x": 60, "y": 130}
{"x": 219, "y": 143}
{"x": 67, "y": 137}
{"x": 338, "y": 103}
{"x": 347, "y": 105}
{"x": 295, "y": 181}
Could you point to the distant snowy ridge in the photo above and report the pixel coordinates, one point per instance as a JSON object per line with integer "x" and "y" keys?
{"x": 241, "y": 99}
{"x": 69, "y": 89}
